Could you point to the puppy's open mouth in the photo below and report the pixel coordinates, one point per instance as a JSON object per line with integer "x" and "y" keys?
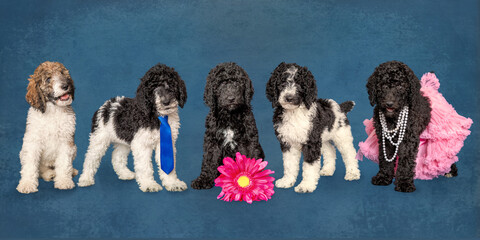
{"x": 390, "y": 110}
{"x": 65, "y": 97}
{"x": 231, "y": 106}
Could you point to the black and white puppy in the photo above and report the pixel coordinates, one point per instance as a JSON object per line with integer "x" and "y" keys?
{"x": 230, "y": 125}
{"x": 306, "y": 124}
{"x": 133, "y": 124}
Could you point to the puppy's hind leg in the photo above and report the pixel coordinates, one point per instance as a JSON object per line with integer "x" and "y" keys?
{"x": 120, "y": 160}
{"x": 46, "y": 173}
{"x": 99, "y": 142}
{"x": 344, "y": 142}
{"x": 453, "y": 171}
{"x": 329, "y": 157}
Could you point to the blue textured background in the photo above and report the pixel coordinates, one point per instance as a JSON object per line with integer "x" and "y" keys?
{"x": 109, "y": 45}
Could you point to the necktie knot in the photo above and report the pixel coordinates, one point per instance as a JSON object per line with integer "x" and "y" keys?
{"x": 163, "y": 120}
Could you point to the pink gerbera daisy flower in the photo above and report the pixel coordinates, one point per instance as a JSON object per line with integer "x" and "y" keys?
{"x": 244, "y": 180}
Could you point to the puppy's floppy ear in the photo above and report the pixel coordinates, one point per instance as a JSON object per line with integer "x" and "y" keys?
{"x": 372, "y": 86}
{"x": 35, "y": 95}
{"x": 144, "y": 95}
{"x": 310, "y": 85}
{"x": 271, "y": 90}
{"x": 248, "y": 93}
{"x": 414, "y": 92}
{"x": 181, "y": 92}
{"x": 66, "y": 73}
{"x": 208, "y": 95}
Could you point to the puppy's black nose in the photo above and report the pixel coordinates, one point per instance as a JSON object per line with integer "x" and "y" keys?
{"x": 289, "y": 98}
{"x": 231, "y": 98}
{"x": 65, "y": 87}
{"x": 389, "y": 104}
{"x": 166, "y": 101}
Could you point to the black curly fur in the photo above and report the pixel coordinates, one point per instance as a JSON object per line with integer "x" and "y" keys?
{"x": 236, "y": 88}
{"x": 394, "y": 84}
{"x": 140, "y": 111}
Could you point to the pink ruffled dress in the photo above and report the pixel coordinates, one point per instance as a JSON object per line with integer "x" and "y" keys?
{"x": 440, "y": 142}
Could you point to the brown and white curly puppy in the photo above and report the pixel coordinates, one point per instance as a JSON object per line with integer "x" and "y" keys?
{"x": 48, "y": 144}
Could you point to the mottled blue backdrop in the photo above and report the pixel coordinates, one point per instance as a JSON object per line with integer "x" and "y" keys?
{"x": 109, "y": 45}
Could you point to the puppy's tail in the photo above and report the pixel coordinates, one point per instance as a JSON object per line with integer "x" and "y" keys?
{"x": 347, "y": 106}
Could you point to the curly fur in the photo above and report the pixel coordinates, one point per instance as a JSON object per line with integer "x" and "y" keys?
{"x": 305, "y": 124}
{"x": 48, "y": 145}
{"x": 392, "y": 86}
{"x": 133, "y": 124}
{"x": 230, "y": 125}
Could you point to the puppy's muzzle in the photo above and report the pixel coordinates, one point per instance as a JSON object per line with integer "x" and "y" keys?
{"x": 292, "y": 99}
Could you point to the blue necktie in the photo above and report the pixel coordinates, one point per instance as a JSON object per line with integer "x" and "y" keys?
{"x": 166, "y": 146}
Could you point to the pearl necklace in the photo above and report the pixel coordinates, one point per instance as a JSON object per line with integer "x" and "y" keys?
{"x": 390, "y": 134}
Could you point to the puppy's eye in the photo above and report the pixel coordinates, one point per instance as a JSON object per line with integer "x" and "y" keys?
{"x": 400, "y": 87}
{"x": 48, "y": 80}
{"x": 385, "y": 87}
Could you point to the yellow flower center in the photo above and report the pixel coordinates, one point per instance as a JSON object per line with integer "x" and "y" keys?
{"x": 243, "y": 181}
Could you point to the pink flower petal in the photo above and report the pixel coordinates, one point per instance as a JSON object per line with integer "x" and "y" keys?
{"x": 230, "y": 164}
{"x": 248, "y": 198}
{"x": 238, "y": 196}
{"x": 263, "y": 173}
{"x": 239, "y": 160}
{"x": 262, "y": 165}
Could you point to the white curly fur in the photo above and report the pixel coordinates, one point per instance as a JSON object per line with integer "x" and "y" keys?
{"x": 48, "y": 148}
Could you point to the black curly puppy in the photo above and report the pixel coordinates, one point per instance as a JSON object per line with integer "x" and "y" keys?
{"x": 391, "y": 87}
{"x": 230, "y": 125}
{"x": 133, "y": 124}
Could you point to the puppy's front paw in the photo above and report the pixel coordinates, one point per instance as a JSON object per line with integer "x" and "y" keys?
{"x": 202, "y": 183}
{"x": 150, "y": 186}
{"x": 48, "y": 175}
{"x": 85, "y": 181}
{"x": 327, "y": 171}
{"x": 285, "y": 182}
{"x": 126, "y": 175}
{"x": 381, "y": 180}
{"x": 404, "y": 187}
{"x": 352, "y": 174}
{"x": 64, "y": 184}
{"x": 175, "y": 186}
{"x": 305, "y": 187}
{"x": 27, "y": 186}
